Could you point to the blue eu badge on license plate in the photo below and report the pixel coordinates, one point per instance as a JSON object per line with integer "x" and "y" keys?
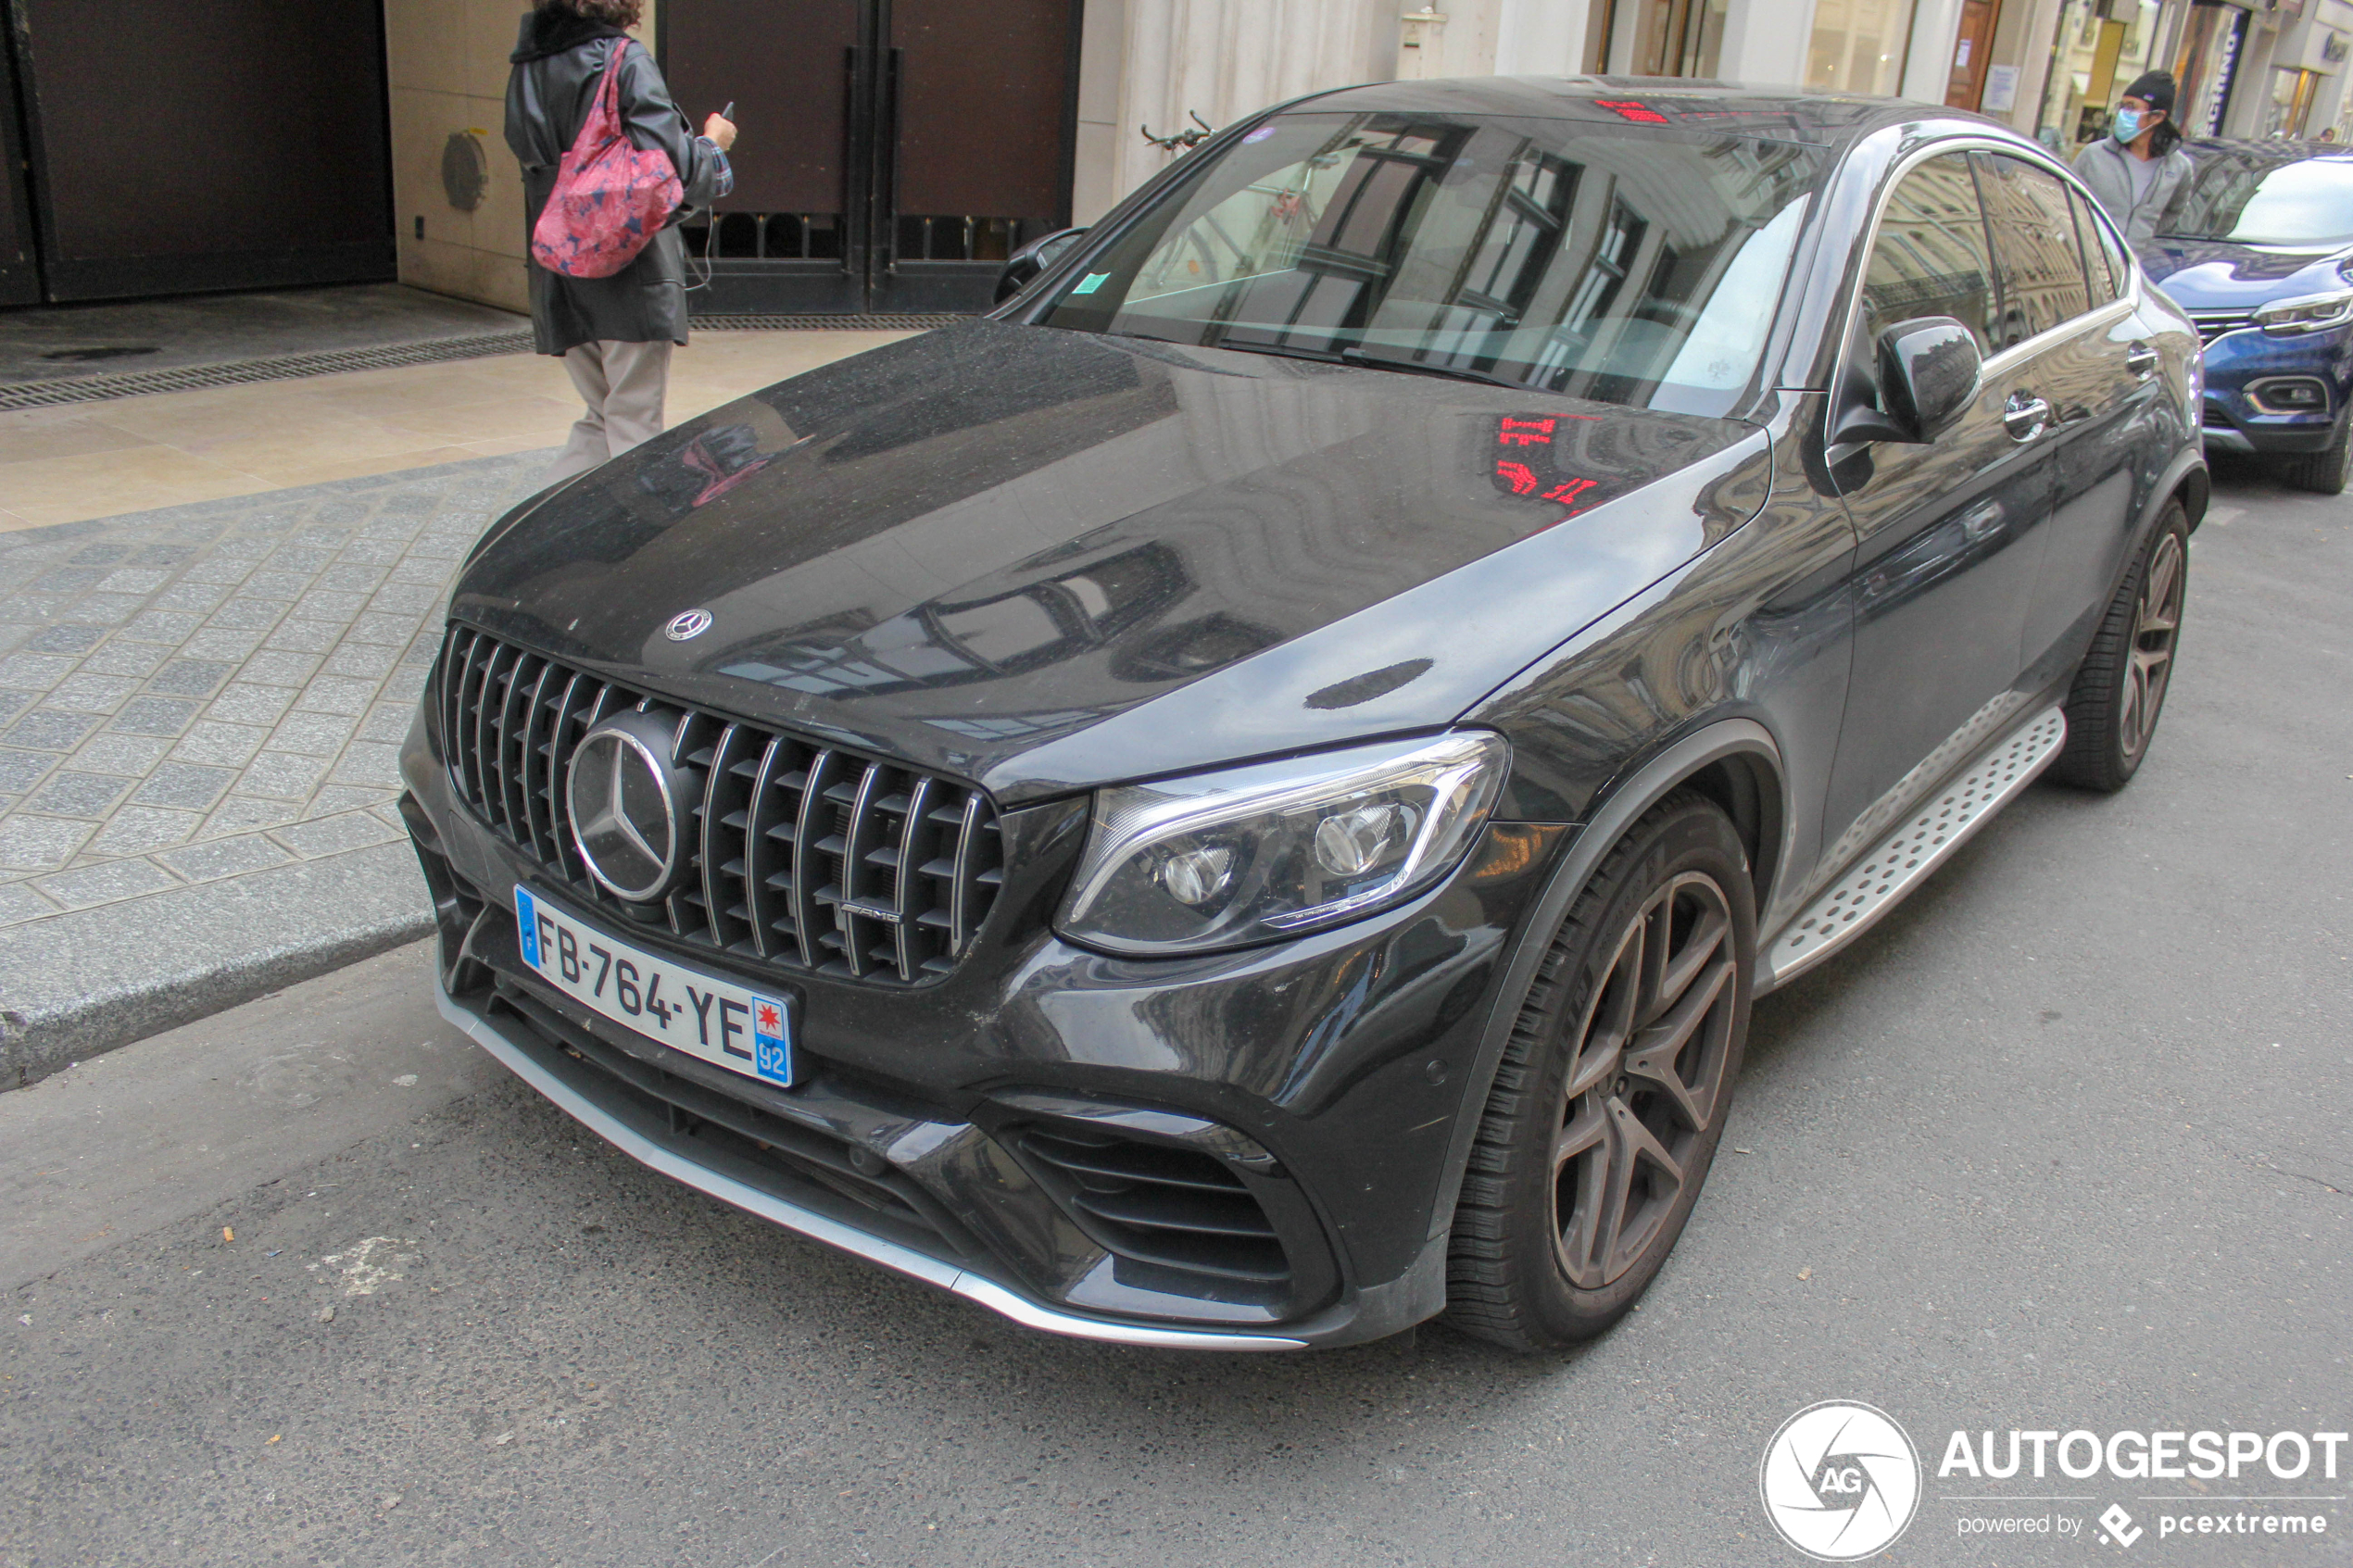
{"x": 527, "y": 926}
{"x": 771, "y": 1040}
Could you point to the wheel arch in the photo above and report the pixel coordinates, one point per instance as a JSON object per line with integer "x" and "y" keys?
{"x": 1736, "y": 763}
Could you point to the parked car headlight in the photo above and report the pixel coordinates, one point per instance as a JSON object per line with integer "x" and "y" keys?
{"x": 1257, "y": 853}
{"x": 2307, "y": 313}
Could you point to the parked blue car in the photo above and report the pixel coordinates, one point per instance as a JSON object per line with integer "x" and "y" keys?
{"x": 2261, "y": 257}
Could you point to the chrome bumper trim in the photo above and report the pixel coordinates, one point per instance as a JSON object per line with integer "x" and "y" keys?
{"x": 817, "y": 1227}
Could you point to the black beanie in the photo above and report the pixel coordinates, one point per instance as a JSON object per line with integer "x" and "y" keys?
{"x": 2154, "y": 88}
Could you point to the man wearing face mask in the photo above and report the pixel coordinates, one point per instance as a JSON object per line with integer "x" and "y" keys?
{"x": 2138, "y": 169}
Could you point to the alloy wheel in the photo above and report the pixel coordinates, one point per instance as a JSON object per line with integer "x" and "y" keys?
{"x": 1647, "y": 1080}
{"x": 2157, "y": 620}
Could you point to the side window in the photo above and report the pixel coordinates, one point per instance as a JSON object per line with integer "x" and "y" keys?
{"x": 2101, "y": 240}
{"x": 1931, "y": 258}
{"x": 2097, "y": 266}
{"x": 2036, "y": 252}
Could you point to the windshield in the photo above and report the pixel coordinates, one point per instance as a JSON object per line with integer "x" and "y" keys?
{"x": 1632, "y": 264}
{"x": 2252, "y": 199}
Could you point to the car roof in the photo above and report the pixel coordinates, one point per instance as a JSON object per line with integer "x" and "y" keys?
{"x": 1733, "y": 107}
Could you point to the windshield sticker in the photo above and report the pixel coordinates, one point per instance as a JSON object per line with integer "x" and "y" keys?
{"x": 1091, "y": 282}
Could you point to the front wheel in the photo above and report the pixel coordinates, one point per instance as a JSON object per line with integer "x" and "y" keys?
{"x": 1613, "y": 1091}
{"x": 2326, "y": 471}
{"x": 2119, "y": 691}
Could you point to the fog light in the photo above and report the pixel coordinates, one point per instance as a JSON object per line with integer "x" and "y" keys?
{"x": 2289, "y": 394}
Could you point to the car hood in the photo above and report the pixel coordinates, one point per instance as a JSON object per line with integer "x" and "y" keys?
{"x": 1045, "y": 561}
{"x": 2215, "y": 275}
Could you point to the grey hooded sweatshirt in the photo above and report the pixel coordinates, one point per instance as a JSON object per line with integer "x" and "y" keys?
{"x": 2107, "y": 168}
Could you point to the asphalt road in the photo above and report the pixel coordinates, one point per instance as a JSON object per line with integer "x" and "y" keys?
{"x": 2064, "y": 1143}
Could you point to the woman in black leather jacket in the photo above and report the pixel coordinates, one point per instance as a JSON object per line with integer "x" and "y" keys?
{"x": 615, "y": 334}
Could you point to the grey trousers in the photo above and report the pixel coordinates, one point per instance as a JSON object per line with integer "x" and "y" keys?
{"x": 623, "y": 384}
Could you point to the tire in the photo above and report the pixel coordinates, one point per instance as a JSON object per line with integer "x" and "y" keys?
{"x": 2120, "y": 691}
{"x": 1646, "y": 980}
{"x": 2326, "y": 471}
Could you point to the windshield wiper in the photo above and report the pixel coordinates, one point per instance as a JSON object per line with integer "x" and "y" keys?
{"x": 1353, "y": 355}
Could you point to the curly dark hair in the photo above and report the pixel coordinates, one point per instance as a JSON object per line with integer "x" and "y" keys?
{"x": 613, "y": 13}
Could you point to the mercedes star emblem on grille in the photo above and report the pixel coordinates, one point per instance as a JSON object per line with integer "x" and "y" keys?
{"x": 687, "y": 623}
{"x": 624, "y": 813}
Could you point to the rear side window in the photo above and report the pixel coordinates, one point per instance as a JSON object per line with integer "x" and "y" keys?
{"x": 2097, "y": 267}
{"x": 2035, "y": 252}
{"x": 1930, "y": 257}
{"x": 2100, "y": 241}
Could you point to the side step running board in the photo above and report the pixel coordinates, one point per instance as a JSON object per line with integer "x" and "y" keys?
{"x": 1900, "y": 861}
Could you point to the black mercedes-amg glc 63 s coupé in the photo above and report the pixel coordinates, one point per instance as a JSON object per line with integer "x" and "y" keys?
{"x": 1242, "y": 800}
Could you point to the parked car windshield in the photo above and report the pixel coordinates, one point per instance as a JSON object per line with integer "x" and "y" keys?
{"x": 1628, "y": 263}
{"x": 2254, "y": 199}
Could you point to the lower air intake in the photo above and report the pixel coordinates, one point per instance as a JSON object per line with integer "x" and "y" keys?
{"x": 1174, "y": 1208}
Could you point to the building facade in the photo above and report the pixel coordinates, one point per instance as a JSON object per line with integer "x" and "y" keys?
{"x": 893, "y": 151}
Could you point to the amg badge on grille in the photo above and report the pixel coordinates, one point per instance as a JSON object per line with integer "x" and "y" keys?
{"x": 687, "y": 624}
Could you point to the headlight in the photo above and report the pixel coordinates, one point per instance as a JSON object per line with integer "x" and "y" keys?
{"x": 2308, "y": 313}
{"x": 1258, "y": 853}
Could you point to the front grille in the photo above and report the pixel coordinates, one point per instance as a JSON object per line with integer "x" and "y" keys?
{"x": 1176, "y": 1208}
{"x": 797, "y": 854}
{"x": 2212, "y": 324}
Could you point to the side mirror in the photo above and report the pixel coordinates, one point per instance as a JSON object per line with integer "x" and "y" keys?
{"x": 1023, "y": 267}
{"x": 1928, "y": 376}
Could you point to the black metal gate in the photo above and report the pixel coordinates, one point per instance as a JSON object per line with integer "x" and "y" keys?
{"x": 893, "y": 152}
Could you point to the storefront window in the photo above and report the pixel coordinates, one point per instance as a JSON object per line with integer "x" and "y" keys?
{"x": 1661, "y": 38}
{"x": 1858, "y": 45}
{"x": 2102, "y": 47}
{"x": 2291, "y": 103}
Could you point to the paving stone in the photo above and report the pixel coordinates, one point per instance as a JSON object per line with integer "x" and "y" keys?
{"x": 228, "y": 642}
{"x": 414, "y": 597}
{"x": 304, "y": 559}
{"x": 137, "y": 830}
{"x": 322, "y": 605}
{"x": 222, "y": 745}
{"x": 250, "y": 615}
{"x": 19, "y": 771}
{"x": 283, "y": 775}
{"x": 133, "y": 580}
{"x": 223, "y": 569}
{"x": 184, "y": 785}
{"x": 332, "y": 836}
{"x": 313, "y": 735}
{"x": 225, "y": 857}
{"x": 407, "y": 684}
{"x": 65, "y": 639}
{"x": 99, "y": 555}
{"x": 37, "y": 671}
{"x": 162, "y": 626}
{"x": 108, "y": 884}
{"x": 244, "y": 813}
{"x": 330, "y": 694}
{"x": 19, "y": 902}
{"x": 91, "y": 693}
{"x": 80, "y": 795}
{"x": 131, "y": 756}
{"x": 370, "y": 662}
{"x": 388, "y": 722}
{"x": 45, "y": 729}
{"x": 369, "y": 762}
{"x": 66, "y": 580}
{"x": 119, "y": 657}
{"x": 105, "y": 609}
{"x": 39, "y": 843}
{"x": 155, "y": 716}
{"x": 191, "y": 677}
{"x": 351, "y": 798}
{"x": 376, "y": 552}
{"x": 306, "y": 636}
{"x": 394, "y": 631}
{"x": 245, "y": 703}
{"x": 191, "y": 596}
{"x": 277, "y": 666}
{"x": 14, "y": 703}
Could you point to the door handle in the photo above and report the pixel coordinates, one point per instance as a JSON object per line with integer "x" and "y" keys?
{"x": 2025, "y": 417}
{"x": 2140, "y": 359}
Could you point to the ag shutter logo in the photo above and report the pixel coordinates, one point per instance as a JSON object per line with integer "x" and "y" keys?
{"x": 2120, "y": 1524}
{"x": 1840, "y": 1481}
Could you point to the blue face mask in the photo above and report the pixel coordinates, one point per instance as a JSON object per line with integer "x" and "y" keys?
{"x": 2126, "y": 125}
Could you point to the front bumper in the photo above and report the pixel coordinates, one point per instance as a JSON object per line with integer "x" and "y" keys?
{"x": 2241, "y": 364}
{"x": 1322, "y": 1081}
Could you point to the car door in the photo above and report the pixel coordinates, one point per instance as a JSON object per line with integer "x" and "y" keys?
{"x": 2108, "y": 405}
{"x": 1946, "y": 528}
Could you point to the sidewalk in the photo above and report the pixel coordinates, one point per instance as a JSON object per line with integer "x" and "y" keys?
{"x": 200, "y": 713}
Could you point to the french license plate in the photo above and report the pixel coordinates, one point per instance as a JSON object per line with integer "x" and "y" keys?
{"x": 727, "y": 1024}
